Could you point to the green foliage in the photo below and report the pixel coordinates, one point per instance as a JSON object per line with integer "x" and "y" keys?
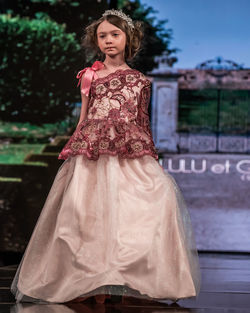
{"x": 38, "y": 61}
{"x": 74, "y": 14}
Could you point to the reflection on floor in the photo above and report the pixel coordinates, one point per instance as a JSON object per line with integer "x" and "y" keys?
{"x": 225, "y": 288}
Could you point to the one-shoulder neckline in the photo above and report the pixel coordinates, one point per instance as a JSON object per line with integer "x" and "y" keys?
{"x": 115, "y": 72}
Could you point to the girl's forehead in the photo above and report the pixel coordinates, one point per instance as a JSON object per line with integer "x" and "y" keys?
{"x": 105, "y": 26}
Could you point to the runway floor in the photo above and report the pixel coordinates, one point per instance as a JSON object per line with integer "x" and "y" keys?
{"x": 225, "y": 288}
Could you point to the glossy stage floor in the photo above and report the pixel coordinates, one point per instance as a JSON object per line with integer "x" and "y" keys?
{"x": 225, "y": 288}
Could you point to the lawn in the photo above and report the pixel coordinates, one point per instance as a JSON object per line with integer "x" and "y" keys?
{"x": 15, "y": 153}
{"x": 19, "y": 139}
{"x": 30, "y": 133}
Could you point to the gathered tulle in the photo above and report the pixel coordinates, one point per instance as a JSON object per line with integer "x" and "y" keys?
{"x": 113, "y": 226}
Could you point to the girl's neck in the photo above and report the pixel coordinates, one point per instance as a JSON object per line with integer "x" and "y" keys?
{"x": 112, "y": 64}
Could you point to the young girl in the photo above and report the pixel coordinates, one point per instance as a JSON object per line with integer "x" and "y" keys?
{"x": 114, "y": 223}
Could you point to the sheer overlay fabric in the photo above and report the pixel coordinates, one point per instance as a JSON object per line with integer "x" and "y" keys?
{"x": 116, "y": 226}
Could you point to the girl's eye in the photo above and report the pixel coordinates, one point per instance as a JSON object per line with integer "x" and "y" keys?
{"x": 101, "y": 36}
{"x": 115, "y": 35}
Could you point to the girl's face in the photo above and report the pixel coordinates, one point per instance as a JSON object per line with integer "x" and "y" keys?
{"x": 111, "y": 39}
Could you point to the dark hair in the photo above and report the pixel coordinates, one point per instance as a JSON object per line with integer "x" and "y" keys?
{"x": 133, "y": 36}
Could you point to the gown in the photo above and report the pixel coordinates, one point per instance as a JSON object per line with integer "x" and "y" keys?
{"x": 114, "y": 222}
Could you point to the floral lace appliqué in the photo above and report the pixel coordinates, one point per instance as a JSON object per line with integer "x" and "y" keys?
{"x": 117, "y": 120}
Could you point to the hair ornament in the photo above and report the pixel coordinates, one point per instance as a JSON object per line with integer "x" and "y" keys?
{"x": 120, "y": 14}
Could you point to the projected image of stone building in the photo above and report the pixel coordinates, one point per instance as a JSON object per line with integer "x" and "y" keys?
{"x": 205, "y": 109}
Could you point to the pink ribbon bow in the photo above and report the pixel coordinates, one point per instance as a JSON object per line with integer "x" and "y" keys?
{"x": 90, "y": 74}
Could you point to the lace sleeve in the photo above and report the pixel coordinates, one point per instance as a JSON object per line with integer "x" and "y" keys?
{"x": 143, "y": 115}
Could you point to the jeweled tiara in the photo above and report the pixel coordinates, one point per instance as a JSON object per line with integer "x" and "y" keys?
{"x": 121, "y": 15}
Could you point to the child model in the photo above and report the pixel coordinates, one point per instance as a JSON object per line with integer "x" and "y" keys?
{"x": 114, "y": 222}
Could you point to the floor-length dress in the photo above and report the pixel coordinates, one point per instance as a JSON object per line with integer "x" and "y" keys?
{"x": 114, "y": 221}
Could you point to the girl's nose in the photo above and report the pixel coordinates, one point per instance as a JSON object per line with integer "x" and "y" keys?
{"x": 108, "y": 39}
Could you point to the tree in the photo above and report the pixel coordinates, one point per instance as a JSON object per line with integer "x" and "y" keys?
{"x": 38, "y": 61}
{"x": 75, "y": 15}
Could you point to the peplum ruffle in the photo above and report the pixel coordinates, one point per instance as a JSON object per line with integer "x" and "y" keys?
{"x": 93, "y": 137}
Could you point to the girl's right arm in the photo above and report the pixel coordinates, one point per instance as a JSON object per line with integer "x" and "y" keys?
{"x": 84, "y": 107}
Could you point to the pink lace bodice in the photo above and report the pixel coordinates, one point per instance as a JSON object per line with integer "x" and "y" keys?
{"x": 117, "y": 119}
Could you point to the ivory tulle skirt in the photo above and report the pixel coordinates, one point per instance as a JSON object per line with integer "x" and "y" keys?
{"x": 113, "y": 226}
